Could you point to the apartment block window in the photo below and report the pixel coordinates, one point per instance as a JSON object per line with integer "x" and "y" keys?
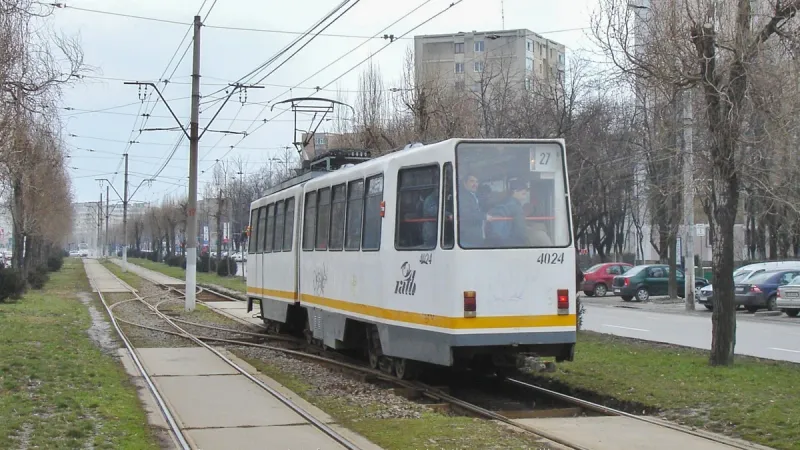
{"x": 530, "y": 45}
{"x": 561, "y": 58}
{"x": 320, "y": 140}
{"x": 478, "y": 66}
{"x": 459, "y": 47}
{"x": 529, "y": 64}
{"x": 459, "y": 67}
{"x": 528, "y": 83}
{"x": 478, "y": 46}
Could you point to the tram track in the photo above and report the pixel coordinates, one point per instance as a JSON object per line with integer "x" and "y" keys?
{"x": 575, "y": 407}
{"x": 178, "y": 432}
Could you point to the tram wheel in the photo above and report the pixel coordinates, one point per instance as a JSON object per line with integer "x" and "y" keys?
{"x": 404, "y": 369}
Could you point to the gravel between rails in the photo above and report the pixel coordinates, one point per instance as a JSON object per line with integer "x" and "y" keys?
{"x": 374, "y": 401}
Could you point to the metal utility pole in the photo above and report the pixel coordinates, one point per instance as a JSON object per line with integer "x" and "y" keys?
{"x": 105, "y": 241}
{"x": 194, "y": 136}
{"x": 194, "y": 140}
{"x": 125, "y": 220}
{"x": 688, "y": 199}
{"x": 99, "y": 222}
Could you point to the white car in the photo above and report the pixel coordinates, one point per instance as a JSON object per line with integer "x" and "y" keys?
{"x": 789, "y": 298}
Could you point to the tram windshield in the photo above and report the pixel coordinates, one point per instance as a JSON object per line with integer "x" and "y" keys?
{"x": 512, "y": 196}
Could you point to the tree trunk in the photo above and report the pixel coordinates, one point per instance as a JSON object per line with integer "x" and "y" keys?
{"x": 672, "y": 258}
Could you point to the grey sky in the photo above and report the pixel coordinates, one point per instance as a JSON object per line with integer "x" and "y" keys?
{"x": 132, "y": 49}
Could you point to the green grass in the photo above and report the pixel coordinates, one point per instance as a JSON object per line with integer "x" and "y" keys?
{"x": 236, "y": 283}
{"x": 431, "y": 431}
{"x": 757, "y": 400}
{"x": 57, "y": 388}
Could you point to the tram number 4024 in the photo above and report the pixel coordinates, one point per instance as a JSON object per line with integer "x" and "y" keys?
{"x": 551, "y": 258}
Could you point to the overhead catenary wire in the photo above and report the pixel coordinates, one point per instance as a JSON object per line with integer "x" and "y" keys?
{"x": 248, "y": 29}
{"x": 265, "y": 121}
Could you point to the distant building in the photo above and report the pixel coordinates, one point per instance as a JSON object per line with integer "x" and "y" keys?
{"x": 464, "y": 60}
{"x": 85, "y": 216}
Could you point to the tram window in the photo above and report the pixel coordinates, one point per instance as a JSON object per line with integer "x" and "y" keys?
{"x": 337, "y": 218}
{"x": 251, "y": 244}
{"x": 309, "y": 221}
{"x": 323, "y": 218}
{"x": 262, "y": 224}
{"x": 417, "y": 208}
{"x": 270, "y": 234}
{"x": 371, "y": 237}
{"x": 288, "y": 231}
{"x": 279, "y": 218}
{"x": 355, "y": 210}
{"x": 448, "y": 228}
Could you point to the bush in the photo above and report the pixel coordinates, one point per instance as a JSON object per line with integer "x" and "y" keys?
{"x": 65, "y": 253}
{"x": 204, "y": 263}
{"x": 176, "y": 261}
{"x": 227, "y": 267}
{"x": 54, "y": 263}
{"x": 153, "y": 256}
{"x": 38, "y": 277}
{"x": 11, "y": 284}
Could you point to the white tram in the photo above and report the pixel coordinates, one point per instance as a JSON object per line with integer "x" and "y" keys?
{"x": 458, "y": 253}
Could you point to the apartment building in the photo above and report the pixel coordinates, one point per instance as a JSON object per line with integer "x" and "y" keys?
{"x": 470, "y": 59}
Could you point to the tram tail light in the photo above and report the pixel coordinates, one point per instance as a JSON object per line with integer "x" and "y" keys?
{"x": 383, "y": 208}
{"x": 563, "y": 302}
{"x": 470, "y": 304}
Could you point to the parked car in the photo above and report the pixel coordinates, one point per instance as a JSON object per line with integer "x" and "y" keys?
{"x": 742, "y": 274}
{"x": 788, "y": 297}
{"x": 641, "y": 282}
{"x": 761, "y": 291}
{"x": 598, "y": 278}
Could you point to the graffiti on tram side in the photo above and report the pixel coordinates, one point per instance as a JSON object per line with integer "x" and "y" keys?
{"x": 406, "y": 285}
{"x": 320, "y": 280}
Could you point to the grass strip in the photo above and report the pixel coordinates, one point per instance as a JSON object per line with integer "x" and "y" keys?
{"x": 58, "y": 389}
{"x": 755, "y": 399}
{"x": 236, "y": 283}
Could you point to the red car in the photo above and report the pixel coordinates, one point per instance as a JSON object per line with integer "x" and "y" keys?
{"x": 597, "y": 279}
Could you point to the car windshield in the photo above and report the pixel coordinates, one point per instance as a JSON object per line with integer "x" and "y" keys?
{"x": 741, "y": 276}
{"x": 594, "y": 268}
{"x": 761, "y": 278}
{"x": 512, "y": 195}
{"x": 634, "y": 270}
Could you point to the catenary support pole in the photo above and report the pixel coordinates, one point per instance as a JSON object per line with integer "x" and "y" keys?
{"x": 191, "y": 226}
{"x": 688, "y": 199}
{"x": 99, "y": 224}
{"x": 125, "y": 219}
{"x": 105, "y": 240}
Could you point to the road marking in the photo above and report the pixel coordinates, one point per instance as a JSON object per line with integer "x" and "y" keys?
{"x": 784, "y": 350}
{"x": 626, "y": 328}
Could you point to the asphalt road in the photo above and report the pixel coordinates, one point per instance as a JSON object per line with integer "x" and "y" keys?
{"x": 753, "y": 338}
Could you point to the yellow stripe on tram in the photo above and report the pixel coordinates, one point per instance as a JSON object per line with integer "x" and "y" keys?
{"x": 453, "y": 323}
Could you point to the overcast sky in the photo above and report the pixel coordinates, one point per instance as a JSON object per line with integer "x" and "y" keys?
{"x": 123, "y": 48}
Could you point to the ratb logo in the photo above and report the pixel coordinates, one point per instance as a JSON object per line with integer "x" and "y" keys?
{"x": 406, "y": 286}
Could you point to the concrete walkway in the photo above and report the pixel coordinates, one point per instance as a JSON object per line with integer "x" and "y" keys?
{"x": 615, "y": 433}
{"x": 237, "y": 311}
{"x": 102, "y": 280}
{"x": 151, "y": 275}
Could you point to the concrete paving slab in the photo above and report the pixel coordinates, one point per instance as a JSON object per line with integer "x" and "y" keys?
{"x": 614, "y": 433}
{"x": 152, "y": 275}
{"x": 154, "y": 415}
{"x": 230, "y": 305}
{"x": 220, "y": 401}
{"x": 183, "y": 361}
{"x": 297, "y": 437}
{"x": 102, "y": 279}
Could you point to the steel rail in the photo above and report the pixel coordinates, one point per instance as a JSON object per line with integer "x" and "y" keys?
{"x": 157, "y": 395}
{"x": 280, "y": 397}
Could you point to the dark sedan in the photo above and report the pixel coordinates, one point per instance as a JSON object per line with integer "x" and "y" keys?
{"x": 761, "y": 291}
